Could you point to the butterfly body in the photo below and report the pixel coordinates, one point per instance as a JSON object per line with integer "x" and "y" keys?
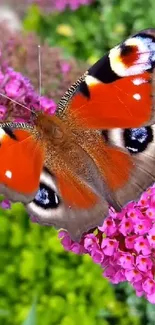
{"x": 98, "y": 149}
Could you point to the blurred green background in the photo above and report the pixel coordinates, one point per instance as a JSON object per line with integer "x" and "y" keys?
{"x": 39, "y": 282}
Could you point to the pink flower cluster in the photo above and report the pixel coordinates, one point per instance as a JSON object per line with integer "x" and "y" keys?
{"x": 124, "y": 246}
{"x": 19, "y": 89}
{"x": 61, "y": 5}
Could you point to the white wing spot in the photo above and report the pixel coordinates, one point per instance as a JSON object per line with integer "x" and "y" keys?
{"x": 90, "y": 80}
{"x": 137, "y": 96}
{"x": 8, "y": 174}
{"x": 138, "y": 81}
{"x": 2, "y": 133}
{"x": 56, "y": 198}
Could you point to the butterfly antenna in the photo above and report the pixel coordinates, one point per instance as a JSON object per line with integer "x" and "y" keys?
{"x": 15, "y": 102}
{"x": 40, "y": 74}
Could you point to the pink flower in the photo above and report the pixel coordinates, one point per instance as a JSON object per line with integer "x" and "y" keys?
{"x": 130, "y": 241}
{"x": 151, "y": 194}
{"x": 151, "y": 237}
{"x": 90, "y": 242}
{"x": 3, "y": 112}
{"x": 17, "y": 87}
{"x": 118, "y": 277}
{"x": 152, "y": 201}
{"x": 33, "y": 218}
{"x": 126, "y": 260}
{"x": 133, "y": 275}
{"x": 126, "y": 226}
{"x": 151, "y": 298}
{"x": 109, "y": 246}
{"x": 19, "y": 120}
{"x": 1, "y": 76}
{"x": 61, "y": 5}
{"x": 47, "y": 105}
{"x": 114, "y": 274}
{"x": 109, "y": 272}
{"x": 142, "y": 245}
{"x": 5, "y": 204}
{"x": 65, "y": 240}
{"x": 134, "y": 214}
{"x": 143, "y": 263}
{"x": 125, "y": 246}
{"x": 12, "y": 88}
{"x": 65, "y": 67}
{"x": 142, "y": 226}
{"x": 97, "y": 256}
{"x": 75, "y": 248}
{"x": 138, "y": 287}
{"x": 109, "y": 227}
{"x": 150, "y": 212}
{"x": 149, "y": 286}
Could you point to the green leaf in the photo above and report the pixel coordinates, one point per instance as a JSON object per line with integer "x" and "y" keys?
{"x": 32, "y": 19}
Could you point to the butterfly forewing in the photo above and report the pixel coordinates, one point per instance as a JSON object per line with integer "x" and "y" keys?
{"x": 117, "y": 90}
{"x": 21, "y": 161}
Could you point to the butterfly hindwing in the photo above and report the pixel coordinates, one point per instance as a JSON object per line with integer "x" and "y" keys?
{"x": 49, "y": 208}
{"x": 139, "y": 144}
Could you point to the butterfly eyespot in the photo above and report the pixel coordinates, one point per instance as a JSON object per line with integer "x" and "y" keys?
{"x": 126, "y": 50}
{"x": 47, "y": 206}
{"x": 129, "y": 54}
{"x": 46, "y": 197}
{"x": 134, "y": 56}
{"x": 136, "y": 140}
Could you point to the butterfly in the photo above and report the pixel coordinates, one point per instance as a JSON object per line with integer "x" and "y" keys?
{"x": 96, "y": 151}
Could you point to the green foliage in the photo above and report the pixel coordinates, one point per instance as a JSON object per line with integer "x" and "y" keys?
{"x": 90, "y": 31}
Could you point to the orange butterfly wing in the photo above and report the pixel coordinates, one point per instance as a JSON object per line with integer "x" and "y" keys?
{"x": 117, "y": 91}
{"x": 74, "y": 192}
{"x": 120, "y": 104}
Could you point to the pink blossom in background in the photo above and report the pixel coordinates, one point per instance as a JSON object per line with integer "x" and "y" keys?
{"x": 3, "y": 112}
{"x": 60, "y": 5}
{"x": 65, "y": 67}
{"x": 124, "y": 246}
{"x": 19, "y": 89}
{"x": 5, "y": 204}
